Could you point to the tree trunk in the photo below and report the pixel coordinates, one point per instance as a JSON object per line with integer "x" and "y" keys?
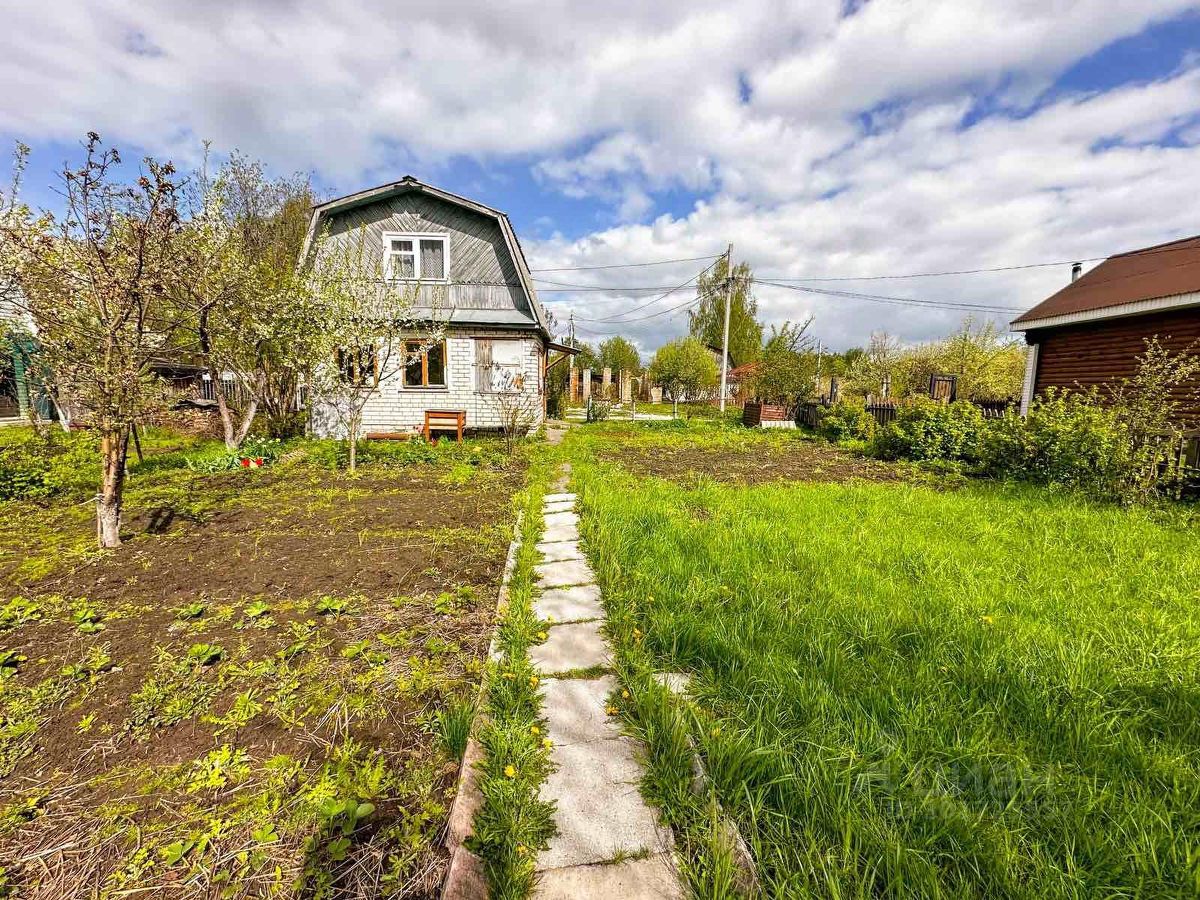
{"x": 114, "y": 447}
{"x": 64, "y": 415}
{"x": 353, "y": 435}
{"x": 231, "y": 442}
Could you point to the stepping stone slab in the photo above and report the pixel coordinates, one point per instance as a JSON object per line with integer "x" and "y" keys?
{"x": 600, "y": 815}
{"x": 560, "y": 550}
{"x": 561, "y": 518}
{"x": 653, "y": 878}
{"x": 569, "y": 647}
{"x": 678, "y": 683}
{"x": 555, "y": 498}
{"x": 574, "y": 709}
{"x": 564, "y": 572}
{"x": 570, "y": 604}
{"x": 558, "y": 506}
{"x": 560, "y": 533}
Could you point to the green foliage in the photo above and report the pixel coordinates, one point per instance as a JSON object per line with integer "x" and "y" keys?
{"x": 331, "y": 606}
{"x": 685, "y": 369}
{"x": 37, "y": 467}
{"x": 619, "y": 354}
{"x": 205, "y": 654}
{"x": 787, "y": 370}
{"x": 707, "y": 322}
{"x": 1070, "y": 439}
{"x": 925, "y": 430}
{"x": 513, "y": 822}
{"x": 19, "y": 610}
{"x": 598, "y": 410}
{"x": 454, "y": 727}
{"x": 191, "y": 611}
{"x": 257, "y": 608}
{"x": 990, "y": 365}
{"x": 847, "y": 421}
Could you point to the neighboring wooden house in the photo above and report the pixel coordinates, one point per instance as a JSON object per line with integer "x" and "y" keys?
{"x": 1093, "y": 330}
{"x": 470, "y": 274}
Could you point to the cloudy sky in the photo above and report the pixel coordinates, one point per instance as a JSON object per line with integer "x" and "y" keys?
{"x": 845, "y": 140}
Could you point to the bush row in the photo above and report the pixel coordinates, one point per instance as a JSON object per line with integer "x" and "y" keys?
{"x": 1070, "y": 439}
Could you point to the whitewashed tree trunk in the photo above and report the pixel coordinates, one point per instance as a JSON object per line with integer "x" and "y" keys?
{"x": 114, "y": 447}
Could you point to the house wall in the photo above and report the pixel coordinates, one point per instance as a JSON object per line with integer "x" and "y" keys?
{"x": 482, "y": 272}
{"x": 395, "y": 407}
{"x": 1103, "y": 352}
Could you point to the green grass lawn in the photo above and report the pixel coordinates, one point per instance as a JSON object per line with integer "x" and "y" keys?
{"x": 916, "y": 690}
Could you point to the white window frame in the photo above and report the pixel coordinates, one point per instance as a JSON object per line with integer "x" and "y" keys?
{"x": 416, "y": 237}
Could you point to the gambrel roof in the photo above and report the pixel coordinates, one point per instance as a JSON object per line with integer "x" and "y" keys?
{"x": 410, "y": 184}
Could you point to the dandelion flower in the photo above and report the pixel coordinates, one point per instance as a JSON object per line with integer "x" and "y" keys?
{"x": 986, "y": 620}
{"x": 547, "y": 743}
{"x": 522, "y": 849}
{"x": 541, "y": 635}
{"x": 533, "y": 729}
{"x": 625, "y": 695}
{"x": 716, "y": 731}
{"x": 533, "y": 681}
{"x": 510, "y": 771}
{"x": 611, "y": 710}
{"x": 510, "y": 674}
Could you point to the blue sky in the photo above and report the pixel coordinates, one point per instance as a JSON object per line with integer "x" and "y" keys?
{"x": 823, "y": 139}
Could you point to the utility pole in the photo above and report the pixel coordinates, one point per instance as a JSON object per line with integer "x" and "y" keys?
{"x": 571, "y": 358}
{"x": 725, "y": 342}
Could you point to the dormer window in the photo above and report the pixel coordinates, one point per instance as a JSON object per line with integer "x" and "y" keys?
{"x": 416, "y": 257}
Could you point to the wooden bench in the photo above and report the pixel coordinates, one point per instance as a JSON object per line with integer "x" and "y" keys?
{"x": 445, "y": 420}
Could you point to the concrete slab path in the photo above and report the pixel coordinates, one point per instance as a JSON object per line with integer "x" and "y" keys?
{"x": 609, "y": 842}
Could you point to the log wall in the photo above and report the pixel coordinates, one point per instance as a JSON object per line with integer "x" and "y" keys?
{"x": 1099, "y": 353}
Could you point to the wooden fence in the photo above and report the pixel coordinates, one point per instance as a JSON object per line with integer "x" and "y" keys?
{"x": 885, "y": 411}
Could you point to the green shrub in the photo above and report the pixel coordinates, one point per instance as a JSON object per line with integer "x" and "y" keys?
{"x": 926, "y": 430}
{"x": 599, "y": 410}
{"x": 35, "y": 467}
{"x": 1070, "y": 439}
{"x": 847, "y": 422}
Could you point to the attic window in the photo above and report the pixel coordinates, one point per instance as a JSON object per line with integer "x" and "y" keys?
{"x": 416, "y": 257}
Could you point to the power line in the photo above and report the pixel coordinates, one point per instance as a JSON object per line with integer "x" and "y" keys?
{"x": 903, "y": 301}
{"x": 662, "y": 296}
{"x": 659, "y": 262}
{"x": 597, "y": 287}
{"x": 826, "y": 278}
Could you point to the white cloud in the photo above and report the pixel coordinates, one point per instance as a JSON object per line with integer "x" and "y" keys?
{"x": 821, "y": 143}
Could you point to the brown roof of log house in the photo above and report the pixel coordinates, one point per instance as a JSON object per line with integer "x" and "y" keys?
{"x": 1165, "y": 270}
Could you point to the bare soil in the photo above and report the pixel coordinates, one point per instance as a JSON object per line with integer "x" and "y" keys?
{"x": 418, "y": 559}
{"x": 798, "y": 461}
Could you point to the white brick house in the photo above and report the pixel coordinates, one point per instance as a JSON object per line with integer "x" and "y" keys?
{"x": 472, "y": 278}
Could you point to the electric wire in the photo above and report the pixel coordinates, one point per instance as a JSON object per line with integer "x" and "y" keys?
{"x": 658, "y": 262}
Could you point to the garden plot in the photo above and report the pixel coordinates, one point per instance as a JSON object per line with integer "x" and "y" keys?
{"x": 263, "y": 692}
{"x": 683, "y": 453}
